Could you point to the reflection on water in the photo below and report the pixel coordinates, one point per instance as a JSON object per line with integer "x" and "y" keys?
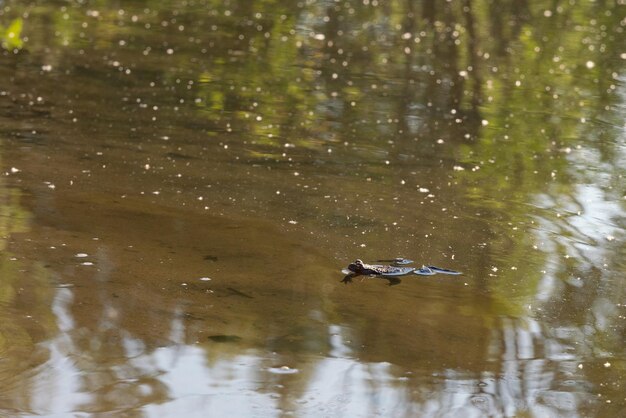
{"x": 183, "y": 182}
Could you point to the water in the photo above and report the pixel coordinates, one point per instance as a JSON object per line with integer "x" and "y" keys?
{"x": 184, "y": 181}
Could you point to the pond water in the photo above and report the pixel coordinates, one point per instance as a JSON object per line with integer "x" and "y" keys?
{"x": 183, "y": 181}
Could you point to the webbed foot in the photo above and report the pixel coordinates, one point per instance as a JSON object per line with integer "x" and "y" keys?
{"x": 444, "y": 271}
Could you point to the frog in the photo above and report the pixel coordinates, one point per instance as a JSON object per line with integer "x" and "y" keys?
{"x": 360, "y": 268}
{"x": 390, "y": 272}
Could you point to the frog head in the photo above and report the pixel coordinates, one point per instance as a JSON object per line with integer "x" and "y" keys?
{"x": 356, "y": 267}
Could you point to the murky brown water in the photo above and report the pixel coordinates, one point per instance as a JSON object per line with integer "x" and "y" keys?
{"x": 184, "y": 181}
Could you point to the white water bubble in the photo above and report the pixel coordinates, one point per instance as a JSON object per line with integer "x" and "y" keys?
{"x": 283, "y": 370}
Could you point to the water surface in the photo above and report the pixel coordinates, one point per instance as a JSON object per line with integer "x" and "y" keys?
{"x": 184, "y": 181}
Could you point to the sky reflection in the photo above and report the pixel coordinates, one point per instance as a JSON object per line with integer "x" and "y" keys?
{"x": 537, "y": 372}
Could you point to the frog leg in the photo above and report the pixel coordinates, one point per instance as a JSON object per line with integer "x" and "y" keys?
{"x": 424, "y": 271}
{"x": 443, "y": 271}
{"x": 348, "y": 278}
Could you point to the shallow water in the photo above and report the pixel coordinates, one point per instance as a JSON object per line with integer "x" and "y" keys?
{"x": 184, "y": 181}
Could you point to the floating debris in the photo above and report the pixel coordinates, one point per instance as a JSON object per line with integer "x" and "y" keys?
{"x": 224, "y": 338}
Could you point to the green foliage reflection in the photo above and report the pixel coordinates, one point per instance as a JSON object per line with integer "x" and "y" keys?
{"x": 11, "y": 36}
